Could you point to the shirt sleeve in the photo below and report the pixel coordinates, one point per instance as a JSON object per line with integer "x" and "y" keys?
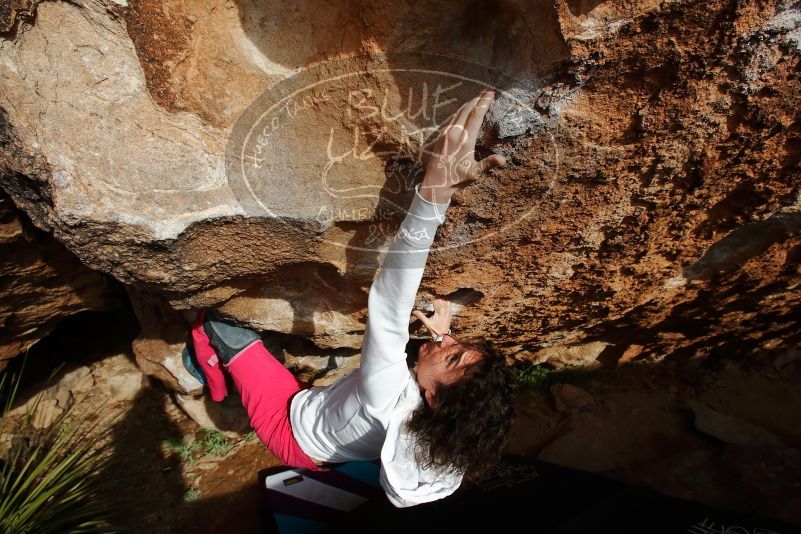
{"x": 383, "y": 370}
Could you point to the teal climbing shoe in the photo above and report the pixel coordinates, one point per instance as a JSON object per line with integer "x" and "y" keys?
{"x": 190, "y": 364}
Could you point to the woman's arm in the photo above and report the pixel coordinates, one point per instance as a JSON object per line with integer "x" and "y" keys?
{"x": 452, "y": 165}
{"x": 390, "y": 302}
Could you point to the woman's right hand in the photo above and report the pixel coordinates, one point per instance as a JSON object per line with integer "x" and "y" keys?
{"x": 452, "y": 163}
{"x": 440, "y": 322}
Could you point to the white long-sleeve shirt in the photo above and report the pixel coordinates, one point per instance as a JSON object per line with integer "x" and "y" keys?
{"x": 362, "y": 416}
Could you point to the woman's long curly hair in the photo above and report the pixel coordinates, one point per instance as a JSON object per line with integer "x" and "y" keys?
{"x": 470, "y": 423}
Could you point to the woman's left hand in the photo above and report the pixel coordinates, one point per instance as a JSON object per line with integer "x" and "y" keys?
{"x": 440, "y": 322}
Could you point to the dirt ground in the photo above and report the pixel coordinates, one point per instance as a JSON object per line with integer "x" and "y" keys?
{"x": 209, "y": 494}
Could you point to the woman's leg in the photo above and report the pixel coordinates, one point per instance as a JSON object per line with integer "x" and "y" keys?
{"x": 267, "y": 388}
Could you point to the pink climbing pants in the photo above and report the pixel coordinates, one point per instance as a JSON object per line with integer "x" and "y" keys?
{"x": 266, "y": 388}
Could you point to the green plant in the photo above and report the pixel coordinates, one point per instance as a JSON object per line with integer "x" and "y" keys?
{"x": 189, "y": 452}
{"x": 533, "y": 377}
{"x": 49, "y": 481}
{"x": 542, "y": 377}
{"x": 191, "y": 495}
{"x": 212, "y": 442}
{"x": 216, "y": 444}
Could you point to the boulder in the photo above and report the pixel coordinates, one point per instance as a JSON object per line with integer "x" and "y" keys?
{"x": 569, "y": 398}
{"x": 256, "y": 157}
{"x": 227, "y": 416}
{"x": 730, "y": 429}
{"x": 45, "y": 405}
{"x": 45, "y": 413}
{"x": 72, "y": 384}
{"x": 118, "y": 377}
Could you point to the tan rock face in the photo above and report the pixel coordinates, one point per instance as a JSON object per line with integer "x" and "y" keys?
{"x": 41, "y": 283}
{"x": 650, "y": 206}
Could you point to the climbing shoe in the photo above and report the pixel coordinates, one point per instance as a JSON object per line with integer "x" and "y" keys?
{"x": 190, "y": 364}
{"x": 227, "y": 339}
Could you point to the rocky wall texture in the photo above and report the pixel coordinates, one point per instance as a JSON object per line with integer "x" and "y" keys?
{"x": 41, "y": 283}
{"x": 650, "y": 208}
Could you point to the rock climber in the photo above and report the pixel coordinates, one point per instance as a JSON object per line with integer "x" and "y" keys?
{"x": 445, "y": 419}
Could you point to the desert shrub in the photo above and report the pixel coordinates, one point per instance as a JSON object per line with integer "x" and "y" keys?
{"x": 49, "y": 478}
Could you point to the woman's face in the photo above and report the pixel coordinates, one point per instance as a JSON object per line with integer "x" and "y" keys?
{"x": 442, "y": 362}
